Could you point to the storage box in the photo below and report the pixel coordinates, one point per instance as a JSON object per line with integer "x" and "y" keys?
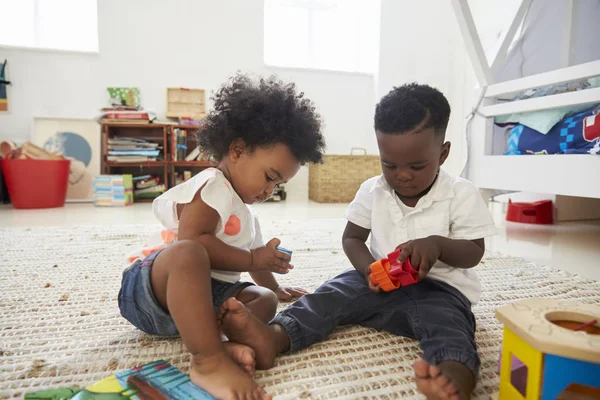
{"x": 185, "y": 103}
{"x": 337, "y": 180}
{"x": 113, "y": 190}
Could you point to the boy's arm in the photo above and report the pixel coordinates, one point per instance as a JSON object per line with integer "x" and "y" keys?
{"x": 354, "y": 244}
{"x": 198, "y": 222}
{"x": 460, "y": 253}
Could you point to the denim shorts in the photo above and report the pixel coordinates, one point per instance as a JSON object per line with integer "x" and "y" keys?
{"x": 139, "y": 306}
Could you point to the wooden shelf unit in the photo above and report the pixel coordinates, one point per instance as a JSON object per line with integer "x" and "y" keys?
{"x": 158, "y": 133}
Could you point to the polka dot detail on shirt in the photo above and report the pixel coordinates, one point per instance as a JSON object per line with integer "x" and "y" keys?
{"x": 233, "y": 226}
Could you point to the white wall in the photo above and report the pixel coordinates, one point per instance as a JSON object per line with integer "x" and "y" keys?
{"x": 153, "y": 44}
{"x": 420, "y": 42}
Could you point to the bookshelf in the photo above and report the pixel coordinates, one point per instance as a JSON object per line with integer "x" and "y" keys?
{"x": 165, "y": 167}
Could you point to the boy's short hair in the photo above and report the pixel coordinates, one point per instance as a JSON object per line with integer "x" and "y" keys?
{"x": 263, "y": 113}
{"x": 412, "y": 106}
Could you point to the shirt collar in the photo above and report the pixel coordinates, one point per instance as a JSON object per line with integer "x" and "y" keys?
{"x": 442, "y": 189}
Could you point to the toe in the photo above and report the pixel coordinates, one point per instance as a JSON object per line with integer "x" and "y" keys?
{"x": 421, "y": 369}
{"x": 434, "y": 371}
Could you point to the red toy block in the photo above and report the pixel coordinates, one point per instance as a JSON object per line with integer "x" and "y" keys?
{"x": 389, "y": 275}
{"x": 540, "y": 212}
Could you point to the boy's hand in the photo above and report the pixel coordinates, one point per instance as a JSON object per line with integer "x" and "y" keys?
{"x": 288, "y": 293}
{"x": 268, "y": 259}
{"x": 423, "y": 254}
{"x": 372, "y": 287}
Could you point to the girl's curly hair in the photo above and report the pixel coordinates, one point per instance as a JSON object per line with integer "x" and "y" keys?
{"x": 262, "y": 113}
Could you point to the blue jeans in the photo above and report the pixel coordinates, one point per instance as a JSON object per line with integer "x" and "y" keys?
{"x": 139, "y": 306}
{"x": 433, "y": 312}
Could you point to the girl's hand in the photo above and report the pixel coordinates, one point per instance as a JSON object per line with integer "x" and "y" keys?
{"x": 288, "y": 293}
{"x": 423, "y": 254}
{"x": 268, "y": 259}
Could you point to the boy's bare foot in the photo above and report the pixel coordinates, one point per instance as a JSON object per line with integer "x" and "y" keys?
{"x": 224, "y": 379}
{"x": 241, "y": 326}
{"x": 447, "y": 381}
{"x": 243, "y": 355}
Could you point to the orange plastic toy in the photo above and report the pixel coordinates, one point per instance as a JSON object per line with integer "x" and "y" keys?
{"x": 389, "y": 275}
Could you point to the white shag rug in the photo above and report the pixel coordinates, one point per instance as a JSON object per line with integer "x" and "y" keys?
{"x": 60, "y": 323}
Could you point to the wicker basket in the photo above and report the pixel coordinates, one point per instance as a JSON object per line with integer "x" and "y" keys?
{"x": 337, "y": 180}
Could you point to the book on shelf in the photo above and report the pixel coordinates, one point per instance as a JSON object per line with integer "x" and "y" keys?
{"x": 147, "y": 183}
{"x": 140, "y": 152}
{"x": 118, "y": 115}
{"x": 128, "y": 149}
{"x": 152, "y": 189}
{"x": 120, "y": 121}
{"x": 130, "y": 159}
{"x": 131, "y": 141}
{"x": 179, "y": 144}
{"x": 194, "y": 154}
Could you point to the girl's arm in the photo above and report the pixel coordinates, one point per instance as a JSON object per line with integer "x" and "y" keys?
{"x": 265, "y": 279}
{"x": 198, "y": 222}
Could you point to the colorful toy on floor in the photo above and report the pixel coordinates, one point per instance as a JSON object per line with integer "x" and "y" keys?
{"x": 389, "y": 275}
{"x": 156, "y": 380}
{"x": 53, "y": 394}
{"x": 559, "y": 344}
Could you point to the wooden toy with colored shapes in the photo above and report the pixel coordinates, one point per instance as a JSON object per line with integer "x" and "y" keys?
{"x": 389, "y": 275}
{"x": 559, "y": 344}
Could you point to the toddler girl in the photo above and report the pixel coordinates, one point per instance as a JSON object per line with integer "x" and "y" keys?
{"x": 261, "y": 133}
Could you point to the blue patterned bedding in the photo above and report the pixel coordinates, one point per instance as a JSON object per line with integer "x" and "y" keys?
{"x": 578, "y": 134}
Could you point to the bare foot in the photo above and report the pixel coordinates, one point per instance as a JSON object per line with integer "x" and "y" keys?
{"x": 447, "y": 381}
{"x": 243, "y": 355}
{"x": 241, "y": 326}
{"x": 220, "y": 376}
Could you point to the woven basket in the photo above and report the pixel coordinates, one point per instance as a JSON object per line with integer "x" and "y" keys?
{"x": 337, "y": 180}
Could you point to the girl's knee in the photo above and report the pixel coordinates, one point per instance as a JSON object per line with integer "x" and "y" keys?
{"x": 189, "y": 252}
{"x": 259, "y": 298}
{"x": 269, "y": 298}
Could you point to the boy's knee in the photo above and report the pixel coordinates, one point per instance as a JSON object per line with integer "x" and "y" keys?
{"x": 190, "y": 252}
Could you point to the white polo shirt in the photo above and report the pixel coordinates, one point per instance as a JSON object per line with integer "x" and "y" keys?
{"x": 453, "y": 208}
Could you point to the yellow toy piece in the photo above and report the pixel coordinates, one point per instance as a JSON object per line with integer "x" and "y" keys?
{"x": 529, "y": 356}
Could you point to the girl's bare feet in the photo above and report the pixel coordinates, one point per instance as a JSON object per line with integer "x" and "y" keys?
{"x": 242, "y": 355}
{"x": 240, "y": 326}
{"x": 220, "y": 376}
{"x": 446, "y": 381}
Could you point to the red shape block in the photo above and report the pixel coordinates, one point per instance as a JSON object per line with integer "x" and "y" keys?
{"x": 389, "y": 275}
{"x": 540, "y": 212}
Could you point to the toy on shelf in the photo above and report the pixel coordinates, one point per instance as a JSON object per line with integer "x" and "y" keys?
{"x": 389, "y": 275}
{"x": 558, "y": 342}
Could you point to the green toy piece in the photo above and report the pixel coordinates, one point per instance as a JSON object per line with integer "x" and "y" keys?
{"x": 53, "y": 394}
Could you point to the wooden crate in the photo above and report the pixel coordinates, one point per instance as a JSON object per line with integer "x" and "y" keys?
{"x": 337, "y": 180}
{"x": 186, "y": 103}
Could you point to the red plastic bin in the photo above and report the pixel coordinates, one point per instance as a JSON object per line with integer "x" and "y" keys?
{"x": 36, "y": 183}
{"x": 540, "y": 212}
